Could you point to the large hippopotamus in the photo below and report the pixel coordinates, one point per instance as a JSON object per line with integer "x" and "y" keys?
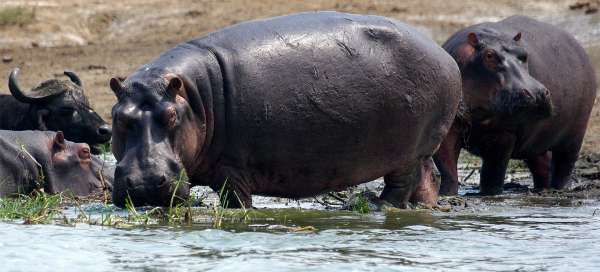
{"x": 528, "y": 90}
{"x": 290, "y": 106}
{"x": 34, "y": 160}
{"x": 55, "y": 105}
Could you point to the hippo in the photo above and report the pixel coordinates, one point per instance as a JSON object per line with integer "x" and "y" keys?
{"x": 528, "y": 90}
{"x": 44, "y": 160}
{"x": 54, "y": 105}
{"x": 290, "y": 106}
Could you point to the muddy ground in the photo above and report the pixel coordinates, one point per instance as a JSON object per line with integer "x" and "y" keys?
{"x": 103, "y": 39}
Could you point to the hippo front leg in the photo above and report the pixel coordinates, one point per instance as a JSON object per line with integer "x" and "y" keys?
{"x": 233, "y": 188}
{"x": 495, "y": 158}
{"x": 539, "y": 166}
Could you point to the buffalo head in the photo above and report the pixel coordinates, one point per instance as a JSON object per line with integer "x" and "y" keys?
{"x": 62, "y": 105}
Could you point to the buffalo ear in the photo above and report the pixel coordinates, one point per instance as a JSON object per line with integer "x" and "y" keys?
{"x": 517, "y": 37}
{"x": 116, "y": 85}
{"x": 59, "y": 141}
{"x": 174, "y": 86}
{"x": 41, "y": 119}
{"x": 473, "y": 39}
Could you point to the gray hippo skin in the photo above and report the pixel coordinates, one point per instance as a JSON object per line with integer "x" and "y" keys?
{"x": 528, "y": 90}
{"x": 33, "y": 160}
{"x": 55, "y": 105}
{"x": 290, "y": 106}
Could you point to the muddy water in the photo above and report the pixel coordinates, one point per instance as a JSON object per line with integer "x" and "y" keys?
{"x": 501, "y": 234}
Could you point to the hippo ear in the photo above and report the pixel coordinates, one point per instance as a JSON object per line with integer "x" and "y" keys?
{"x": 473, "y": 39}
{"x": 174, "y": 86}
{"x": 59, "y": 141}
{"x": 116, "y": 85}
{"x": 517, "y": 37}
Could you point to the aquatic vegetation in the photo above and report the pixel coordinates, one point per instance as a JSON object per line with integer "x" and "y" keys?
{"x": 361, "y": 205}
{"x": 32, "y": 209}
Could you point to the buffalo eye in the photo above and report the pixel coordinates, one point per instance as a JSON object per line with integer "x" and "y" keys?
{"x": 66, "y": 111}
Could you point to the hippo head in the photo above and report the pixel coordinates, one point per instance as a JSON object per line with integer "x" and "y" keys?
{"x": 156, "y": 136}
{"x": 60, "y": 105}
{"x": 497, "y": 81}
{"x": 73, "y": 169}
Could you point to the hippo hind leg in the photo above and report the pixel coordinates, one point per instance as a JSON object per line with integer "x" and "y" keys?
{"x": 417, "y": 185}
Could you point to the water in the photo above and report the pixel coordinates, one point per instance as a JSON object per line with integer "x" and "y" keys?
{"x": 496, "y": 236}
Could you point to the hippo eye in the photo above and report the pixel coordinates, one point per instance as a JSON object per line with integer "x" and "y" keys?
{"x": 522, "y": 58}
{"x": 490, "y": 56}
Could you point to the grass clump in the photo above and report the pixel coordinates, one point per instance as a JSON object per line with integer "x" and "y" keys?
{"x": 32, "y": 209}
{"x": 361, "y": 204}
{"x": 16, "y": 16}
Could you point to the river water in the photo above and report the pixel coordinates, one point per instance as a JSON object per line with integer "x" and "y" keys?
{"x": 508, "y": 235}
{"x": 499, "y": 234}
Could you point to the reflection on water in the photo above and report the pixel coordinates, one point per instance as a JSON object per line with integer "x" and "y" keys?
{"x": 498, "y": 236}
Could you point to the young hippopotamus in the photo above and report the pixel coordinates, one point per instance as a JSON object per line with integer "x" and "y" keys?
{"x": 31, "y": 160}
{"x": 290, "y": 106}
{"x": 528, "y": 90}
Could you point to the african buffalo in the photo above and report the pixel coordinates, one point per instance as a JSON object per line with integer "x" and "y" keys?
{"x": 290, "y": 106}
{"x": 528, "y": 90}
{"x": 31, "y": 160}
{"x": 54, "y": 105}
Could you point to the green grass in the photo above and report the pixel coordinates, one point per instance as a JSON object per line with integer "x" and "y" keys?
{"x": 361, "y": 205}
{"x": 35, "y": 209}
{"x": 16, "y": 16}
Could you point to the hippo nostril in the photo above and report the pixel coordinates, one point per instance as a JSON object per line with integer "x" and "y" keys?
{"x": 162, "y": 181}
{"x": 104, "y": 130}
{"x": 130, "y": 183}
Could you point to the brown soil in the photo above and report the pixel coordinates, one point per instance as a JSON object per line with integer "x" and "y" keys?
{"x": 101, "y": 39}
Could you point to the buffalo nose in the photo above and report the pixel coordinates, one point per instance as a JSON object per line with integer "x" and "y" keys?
{"x": 527, "y": 93}
{"x": 546, "y": 93}
{"x": 104, "y": 130}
